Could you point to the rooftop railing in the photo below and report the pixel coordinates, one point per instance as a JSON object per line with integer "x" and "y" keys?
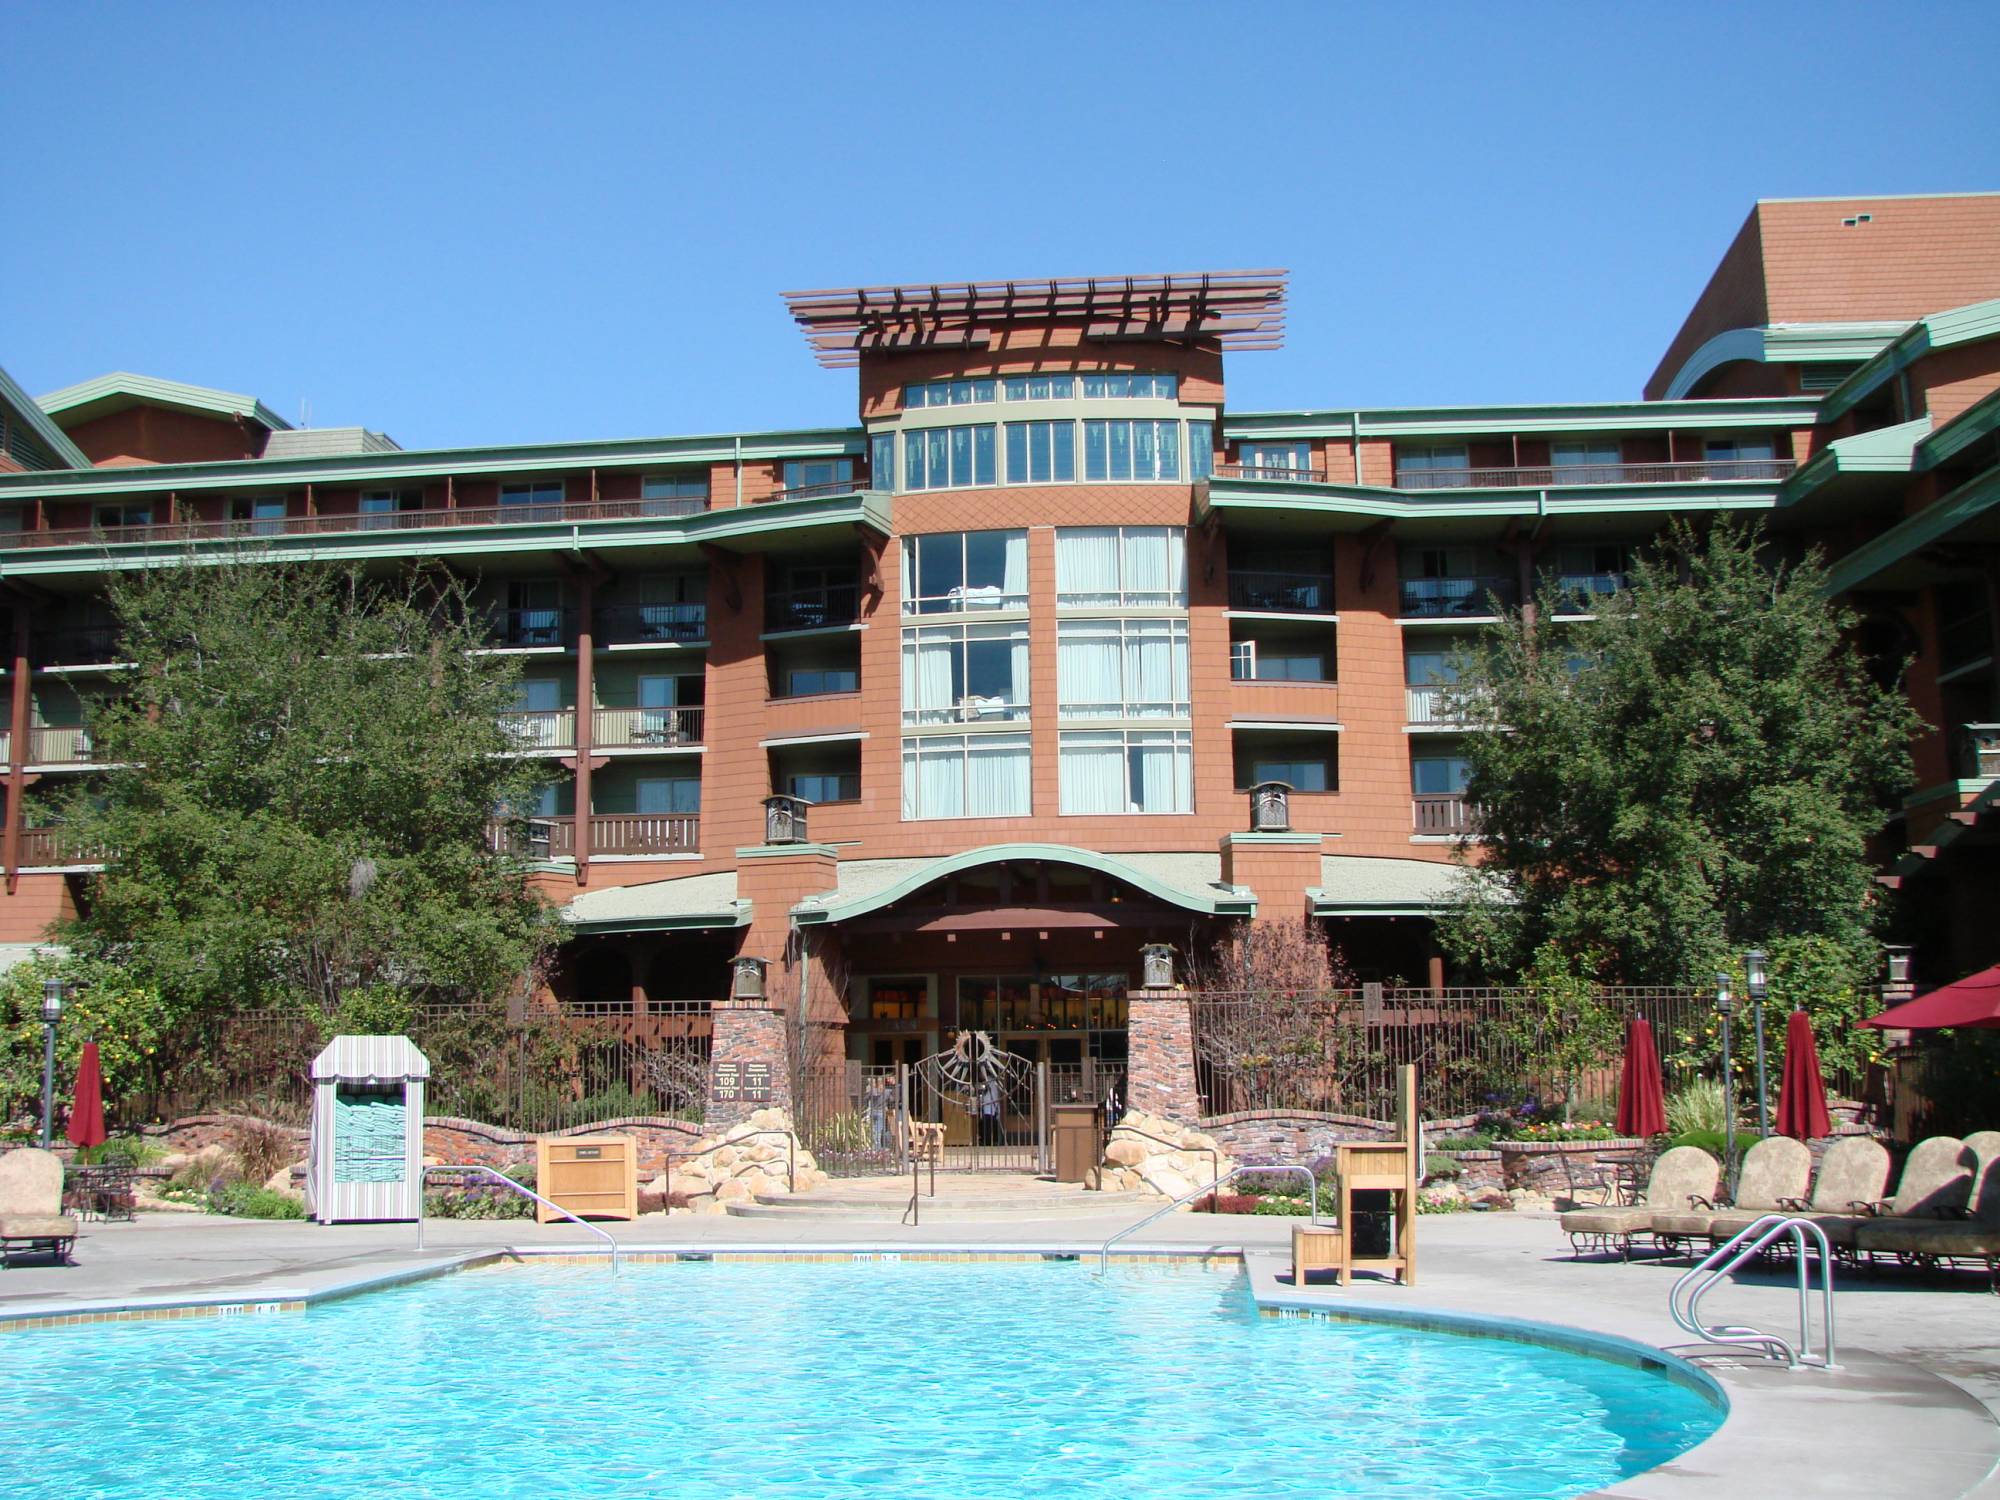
{"x": 1550, "y": 476}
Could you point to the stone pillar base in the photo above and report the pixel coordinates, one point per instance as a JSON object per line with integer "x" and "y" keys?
{"x": 1159, "y": 1077}
{"x": 747, "y": 1065}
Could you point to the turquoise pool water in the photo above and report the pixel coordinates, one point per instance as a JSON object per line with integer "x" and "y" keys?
{"x": 833, "y": 1381}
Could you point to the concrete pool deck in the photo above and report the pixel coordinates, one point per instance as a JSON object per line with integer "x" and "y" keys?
{"x": 1911, "y": 1411}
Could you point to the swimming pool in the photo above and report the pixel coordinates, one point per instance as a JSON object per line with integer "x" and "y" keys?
{"x": 841, "y": 1380}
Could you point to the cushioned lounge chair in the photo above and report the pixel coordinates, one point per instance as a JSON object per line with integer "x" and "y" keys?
{"x": 1975, "y": 1238}
{"x": 32, "y": 1223}
{"x": 1776, "y": 1171}
{"x": 1936, "y": 1185}
{"x": 1680, "y": 1177}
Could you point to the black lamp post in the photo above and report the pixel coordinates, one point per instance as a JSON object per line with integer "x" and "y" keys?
{"x": 53, "y": 991}
{"x": 1725, "y": 1006}
{"x": 1758, "y": 983}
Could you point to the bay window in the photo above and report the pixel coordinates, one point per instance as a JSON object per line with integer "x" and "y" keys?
{"x": 1122, "y": 669}
{"x": 966, "y": 776}
{"x": 947, "y": 458}
{"x": 965, "y": 673}
{"x": 1110, "y": 567}
{"x": 1138, "y": 387}
{"x": 1126, "y": 771}
{"x": 951, "y": 571}
{"x": 1124, "y": 449}
{"x": 1041, "y": 452}
{"x": 947, "y": 393}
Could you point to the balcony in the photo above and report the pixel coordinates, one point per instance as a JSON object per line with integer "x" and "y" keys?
{"x": 1277, "y": 592}
{"x": 1280, "y": 472}
{"x": 626, "y": 834}
{"x": 1553, "y": 476}
{"x": 812, "y": 608}
{"x": 1578, "y": 593}
{"x": 539, "y": 729}
{"x": 646, "y": 728}
{"x": 1428, "y": 705}
{"x": 54, "y": 846}
{"x": 824, "y": 491}
{"x": 1456, "y": 598}
{"x": 1979, "y": 752}
{"x": 79, "y": 646}
{"x": 531, "y": 627}
{"x": 1441, "y": 814}
{"x": 652, "y": 624}
{"x": 67, "y": 745}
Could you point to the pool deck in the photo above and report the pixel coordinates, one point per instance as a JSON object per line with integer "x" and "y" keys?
{"x": 1910, "y": 1411}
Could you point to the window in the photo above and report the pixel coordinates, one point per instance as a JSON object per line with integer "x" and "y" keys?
{"x": 1122, "y": 669}
{"x": 1440, "y": 466}
{"x": 825, "y": 786}
{"x": 1138, "y": 771}
{"x": 1131, "y": 450}
{"x": 951, "y": 571}
{"x": 542, "y": 496}
{"x": 1040, "y": 387}
{"x": 1429, "y": 668}
{"x": 955, "y": 674}
{"x": 947, "y": 458}
{"x": 1440, "y": 775}
{"x": 1276, "y": 460}
{"x": 265, "y": 514}
{"x": 1041, "y": 452}
{"x": 1141, "y": 387}
{"x": 663, "y": 795}
{"x": 1271, "y": 662}
{"x": 1739, "y": 458}
{"x": 1201, "y": 450}
{"x": 882, "y": 461}
{"x": 379, "y": 508}
{"x": 818, "y": 473}
{"x": 1142, "y": 567}
{"x": 807, "y": 682}
{"x": 1300, "y": 775}
{"x": 1585, "y": 572}
{"x": 533, "y": 615}
{"x": 966, "y": 776}
{"x": 1587, "y": 461}
{"x": 673, "y": 494}
{"x": 947, "y": 393}
{"x": 107, "y": 516}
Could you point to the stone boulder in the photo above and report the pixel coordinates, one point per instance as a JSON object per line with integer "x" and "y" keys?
{"x": 740, "y": 1163}
{"x": 1153, "y": 1154}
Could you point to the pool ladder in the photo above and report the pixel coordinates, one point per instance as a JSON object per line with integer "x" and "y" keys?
{"x": 1312, "y": 1200}
{"x": 507, "y": 1182}
{"x": 1684, "y": 1302}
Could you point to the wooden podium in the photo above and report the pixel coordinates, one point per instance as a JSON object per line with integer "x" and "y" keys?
{"x": 1384, "y": 1166}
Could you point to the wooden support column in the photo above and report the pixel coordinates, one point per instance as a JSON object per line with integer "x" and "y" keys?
{"x": 17, "y": 748}
{"x": 586, "y": 719}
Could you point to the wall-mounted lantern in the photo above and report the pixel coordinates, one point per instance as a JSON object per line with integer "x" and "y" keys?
{"x": 1271, "y": 807}
{"x": 747, "y": 979}
{"x": 785, "y": 820}
{"x": 1157, "y": 960}
{"x": 1897, "y": 958}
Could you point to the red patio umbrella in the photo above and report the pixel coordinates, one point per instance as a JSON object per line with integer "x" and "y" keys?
{"x": 1972, "y": 1001}
{"x": 86, "y": 1110}
{"x": 1801, "y": 1091}
{"x": 1642, "y": 1105}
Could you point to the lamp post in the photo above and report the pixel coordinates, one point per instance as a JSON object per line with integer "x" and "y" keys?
{"x": 1758, "y": 983}
{"x": 1725, "y": 1004}
{"x": 53, "y": 991}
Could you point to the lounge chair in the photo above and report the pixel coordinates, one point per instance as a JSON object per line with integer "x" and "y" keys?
{"x": 1680, "y": 1178}
{"x": 1945, "y": 1241}
{"x": 1936, "y": 1185}
{"x": 32, "y": 1223}
{"x": 1776, "y": 1172}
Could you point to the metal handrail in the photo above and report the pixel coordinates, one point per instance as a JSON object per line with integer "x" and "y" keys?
{"x": 505, "y": 1181}
{"x": 1312, "y": 1201}
{"x": 1686, "y": 1310}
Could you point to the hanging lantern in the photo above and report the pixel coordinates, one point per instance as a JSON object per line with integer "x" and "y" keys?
{"x": 1271, "y": 807}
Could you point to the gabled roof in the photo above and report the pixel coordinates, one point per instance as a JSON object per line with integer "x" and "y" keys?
{"x": 21, "y": 408}
{"x": 121, "y": 388}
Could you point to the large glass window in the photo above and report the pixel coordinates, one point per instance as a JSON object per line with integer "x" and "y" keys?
{"x": 1276, "y": 661}
{"x": 966, "y": 776}
{"x": 1438, "y": 466}
{"x": 1587, "y": 461}
{"x": 668, "y": 794}
{"x": 1120, "y": 771}
{"x": 825, "y": 786}
{"x": 1124, "y": 449}
{"x": 1290, "y": 460}
{"x": 1040, "y": 387}
{"x": 1122, "y": 669}
{"x": 1439, "y": 775}
{"x": 542, "y": 497}
{"x": 379, "y": 508}
{"x": 965, "y": 673}
{"x": 813, "y": 473}
{"x": 673, "y": 494}
{"x": 1041, "y": 452}
{"x": 1300, "y": 775}
{"x": 1157, "y": 387}
{"x": 950, "y": 571}
{"x": 1739, "y": 458}
{"x": 882, "y": 461}
{"x": 1113, "y": 567}
{"x": 807, "y": 682}
{"x": 1201, "y": 450}
{"x": 947, "y": 458}
{"x": 948, "y": 393}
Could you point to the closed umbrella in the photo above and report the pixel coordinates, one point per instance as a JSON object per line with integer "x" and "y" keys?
{"x": 86, "y": 1110}
{"x": 1802, "y": 1091}
{"x": 1642, "y": 1105}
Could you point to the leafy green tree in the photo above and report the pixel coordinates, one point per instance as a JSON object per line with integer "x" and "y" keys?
{"x": 1695, "y": 770}
{"x": 125, "y": 1017}
{"x": 1563, "y": 1028}
{"x": 297, "y": 791}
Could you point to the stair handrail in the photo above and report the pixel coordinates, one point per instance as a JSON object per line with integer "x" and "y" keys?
{"x": 505, "y": 1181}
{"x": 1684, "y": 1301}
{"x": 1312, "y": 1200}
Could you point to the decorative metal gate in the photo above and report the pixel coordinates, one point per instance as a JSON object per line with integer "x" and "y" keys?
{"x": 992, "y": 1103}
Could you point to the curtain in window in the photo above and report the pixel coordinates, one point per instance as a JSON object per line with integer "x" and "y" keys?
{"x": 998, "y": 779}
{"x": 1015, "y": 581}
{"x": 1156, "y": 670}
{"x": 1087, "y": 565}
{"x": 1092, "y": 773}
{"x": 1088, "y": 668}
{"x": 1017, "y": 691}
{"x": 941, "y": 781}
{"x": 1162, "y": 778}
{"x": 928, "y": 677}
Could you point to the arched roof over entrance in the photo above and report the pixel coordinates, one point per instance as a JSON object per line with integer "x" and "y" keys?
{"x": 1191, "y": 882}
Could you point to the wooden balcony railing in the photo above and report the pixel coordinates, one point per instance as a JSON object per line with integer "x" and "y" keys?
{"x": 646, "y": 728}
{"x": 67, "y": 745}
{"x": 1441, "y": 813}
{"x": 1552, "y": 476}
{"x": 541, "y": 728}
{"x": 610, "y": 833}
{"x": 55, "y": 845}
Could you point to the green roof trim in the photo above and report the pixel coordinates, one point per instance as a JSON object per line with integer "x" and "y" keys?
{"x": 1582, "y": 417}
{"x": 1961, "y": 432}
{"x": 1220, "y": 901}
{"x": 121, "y": 388}
{"x": 1884, "y": 450}
{"x": 50, "y": 436}
{"x": 1914, "y": 533}
{"x": 1784, "y": 343}
{"x": 1370, "y": 502}
{"x": 1940, "y": 330}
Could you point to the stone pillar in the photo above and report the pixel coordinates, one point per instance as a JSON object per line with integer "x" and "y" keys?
{"x": 1159, "y": 1075}
{"x": 747, "y": 1068}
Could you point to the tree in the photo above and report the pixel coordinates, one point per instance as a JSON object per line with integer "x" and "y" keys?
{"x": 1696, "y": 770}
{"x": 128, "y": 1021}
{"x": 1564, "y": 1028}
{"x": 1271, "y": 1021}
{"x": 296, "y": 794}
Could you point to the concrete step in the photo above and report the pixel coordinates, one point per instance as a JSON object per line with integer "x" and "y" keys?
{"x": 969, "y": 1202}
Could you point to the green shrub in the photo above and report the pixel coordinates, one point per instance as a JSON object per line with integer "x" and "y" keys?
{"x": 1441, "y": 1166}
{"x": 244, "y": 1200}
{"x": 1478, "y": 1140}
{"x": 1697, "y": 1105}
{"x": 121, "y": 1151}
{"x": 1711, "y": 1141}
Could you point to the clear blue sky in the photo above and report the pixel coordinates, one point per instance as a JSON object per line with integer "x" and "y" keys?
{"x": 519, "y": 222}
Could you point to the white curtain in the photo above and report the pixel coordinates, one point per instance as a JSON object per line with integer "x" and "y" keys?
{"x": 1092, "y": 770}
{"x": 1162, "y": 777}
{"x": 1087, "y": 667}
{"x": 1015, "y": 581}
{"x": 1018, "y": 667}
{"x": 1155, "y": 672}
{"x": 941, "y": 781}
{"x": 998, "y": 777}
{"x": 927, "y": 675}
{"x": 1087, "y": 565}
{"x": 1148, "y": 577}
{"x": 912, "y": 792}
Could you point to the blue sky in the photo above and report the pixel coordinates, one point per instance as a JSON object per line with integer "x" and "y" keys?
{"x": 517, "y": 222}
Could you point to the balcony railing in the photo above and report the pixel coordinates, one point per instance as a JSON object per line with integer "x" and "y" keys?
{"x": 531, "y": 627}
{"x": 814, "y": 608}
{"x": 1427, "y": 704}
{"x": 610, "y": 833}
{"x": 1442, "y": 598}
{"x": 79, "y": 646}
{"x": 641, "y": 624}
{"x": 1580, "y": 591}
{"x": 646, "y": 728}
{"x": 823, "y": 491}
{"x": 1281, "y": 472}
{"x": 1979, "y": 752}
{"x": 177, "y": 532}
{"x": 541, "y": 728}
{"x": 1441, "y": 813}
{"x": 1551, "y": 476}
{"x": 67, "y": 745}
{"x": 56, "y": 845}
{"x": 1281, "y": 592}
